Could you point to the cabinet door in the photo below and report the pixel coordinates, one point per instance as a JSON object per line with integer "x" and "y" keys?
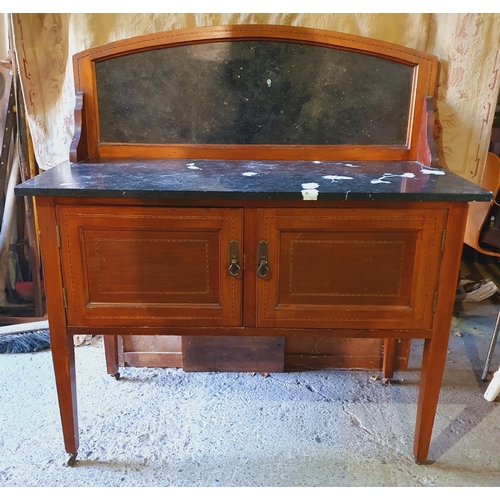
{"x": 151, "y": 266}
{"x": 349, "y": 268}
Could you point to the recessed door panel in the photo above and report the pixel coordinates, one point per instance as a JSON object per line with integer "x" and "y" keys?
{"x": 350, "y": 268}
{"x": 150, "y": 266}
{"x": 345, "y": 268}
{"x": 126, "y": 263}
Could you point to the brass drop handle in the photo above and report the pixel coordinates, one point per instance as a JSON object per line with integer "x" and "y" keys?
{"x": 263, "y": 268}
{"x": 234, "y": 267}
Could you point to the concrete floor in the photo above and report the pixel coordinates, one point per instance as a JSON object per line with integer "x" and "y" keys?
{"x": 164, "y": 427}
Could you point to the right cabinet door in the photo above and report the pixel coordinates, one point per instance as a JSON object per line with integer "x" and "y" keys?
{"x": 349, "y": 268}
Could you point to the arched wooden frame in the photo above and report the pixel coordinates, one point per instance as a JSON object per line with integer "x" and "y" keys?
{"x": 86, "y": 143}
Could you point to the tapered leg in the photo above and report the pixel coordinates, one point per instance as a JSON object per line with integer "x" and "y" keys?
{"x": 111, "y": 351}
{"x": 63, "y": 355}
{"x": 389, "y": 361}
{"x": 62, "y": 346}
{"x": 433, "y": 363}
{"x": 435, "y": 348}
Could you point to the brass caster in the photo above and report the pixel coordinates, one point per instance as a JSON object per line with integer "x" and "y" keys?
{"x": 71, "y": 460}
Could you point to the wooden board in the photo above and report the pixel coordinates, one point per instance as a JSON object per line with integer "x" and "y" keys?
{"x": 228, "y": 354}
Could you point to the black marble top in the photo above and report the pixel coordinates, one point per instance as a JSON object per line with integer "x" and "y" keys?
{"x": 253, "y": 92}
{"x": 257, "y": 180}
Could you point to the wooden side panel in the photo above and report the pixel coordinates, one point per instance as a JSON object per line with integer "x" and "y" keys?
{"x": 350, "y": 268}
{"x": 161, "y": 351}
{"x": 323, "y": 353}
{"x": 149, "y": 266}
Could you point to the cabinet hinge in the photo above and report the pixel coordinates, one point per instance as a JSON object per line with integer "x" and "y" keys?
{"x": 434, "y": 305}
{"x": 65, "y": 299}
{"x": 58, "y": 237}
{"x": 443, "y": 238}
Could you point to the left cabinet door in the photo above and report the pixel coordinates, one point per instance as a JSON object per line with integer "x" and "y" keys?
{"x": 151, "y": 266}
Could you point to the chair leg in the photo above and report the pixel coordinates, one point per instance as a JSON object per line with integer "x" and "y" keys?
{"x": 491, "y": 348}
{"x": 493, "y": 389}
